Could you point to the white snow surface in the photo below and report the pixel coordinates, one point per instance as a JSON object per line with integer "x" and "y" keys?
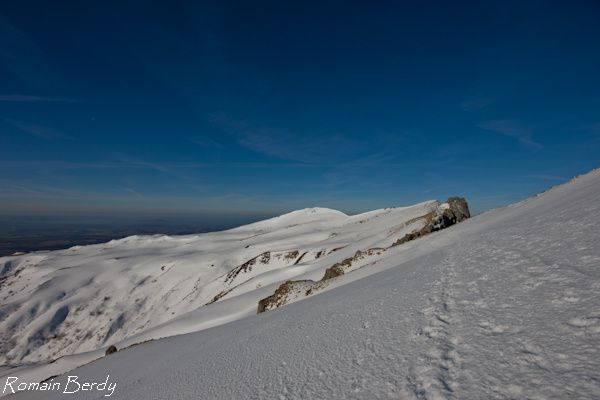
{"x": 505, "y": 305}
{"x": 146, "y": 287}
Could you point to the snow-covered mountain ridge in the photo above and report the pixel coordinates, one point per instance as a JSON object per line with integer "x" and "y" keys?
{"x": 502, "y": 306}
{"x": 141, "y": 287}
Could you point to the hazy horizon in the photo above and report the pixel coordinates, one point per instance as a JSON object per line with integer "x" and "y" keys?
{"x": 25, "y": 232}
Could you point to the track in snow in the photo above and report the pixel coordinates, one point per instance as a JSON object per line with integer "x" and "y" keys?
{"x": 434, "y": 375}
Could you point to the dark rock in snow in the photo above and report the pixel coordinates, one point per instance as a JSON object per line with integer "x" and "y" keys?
{"x": 457, "y": 211}
{"x": 332, "y": 272}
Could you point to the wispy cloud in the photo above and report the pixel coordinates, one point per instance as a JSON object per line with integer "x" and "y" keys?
{"x": 134, "y": 192}
{"x": 476, "y": 103}
{"x": 36, "y": 130}
{"x": 149, "y": 165}
{"x": 208, "y": 143}
{"x": 280, "y": 143}
{"x": 19, "y": 189}
{"x": 285, "y": 145}
{"x": 23, "y": 59}
{"x": 21, "y": 98}
{"x": 513, "y": 129}
{"x": 162, "y": 167}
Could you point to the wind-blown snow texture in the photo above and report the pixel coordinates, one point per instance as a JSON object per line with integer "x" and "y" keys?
{"x": 504, "y": 305}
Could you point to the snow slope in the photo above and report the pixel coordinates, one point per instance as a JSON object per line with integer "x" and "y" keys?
{"x": 146, "y": 287}
{"x": 503, "y": 306}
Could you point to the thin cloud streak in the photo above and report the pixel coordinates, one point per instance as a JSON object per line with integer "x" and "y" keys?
{"x": 144, "y": 165}
{"x": 284, "y": 145}
{"x": 42, "y": 132}
{"x": 208, "y": 143}
{"x": 24, "y": 60}
{"x": 148, "y": 165}
{"x": 513, "y": 129}
{"x": 21, "y": 98}
{"x": 134, "y": 192}
{"x": 287, "y": 145}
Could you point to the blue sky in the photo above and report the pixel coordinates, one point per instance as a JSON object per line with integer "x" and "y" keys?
{"x": 264, "y": 107}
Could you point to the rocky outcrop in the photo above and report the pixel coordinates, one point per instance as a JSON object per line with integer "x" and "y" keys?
{"x": 333, "y": 272}
{"x": 454, "y": 210}
{"x": 280, "y": 296}
{"x": 219, "y": 295}
{"x": 291, "y": 289}
{"x": 457, "y": 211}
{"x": 337, "y": 269}
{"x": 263, "y": 258}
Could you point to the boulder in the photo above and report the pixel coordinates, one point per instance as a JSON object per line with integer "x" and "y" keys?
{"x": 458, "y": 210}
{"x": 111, "y": 349}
